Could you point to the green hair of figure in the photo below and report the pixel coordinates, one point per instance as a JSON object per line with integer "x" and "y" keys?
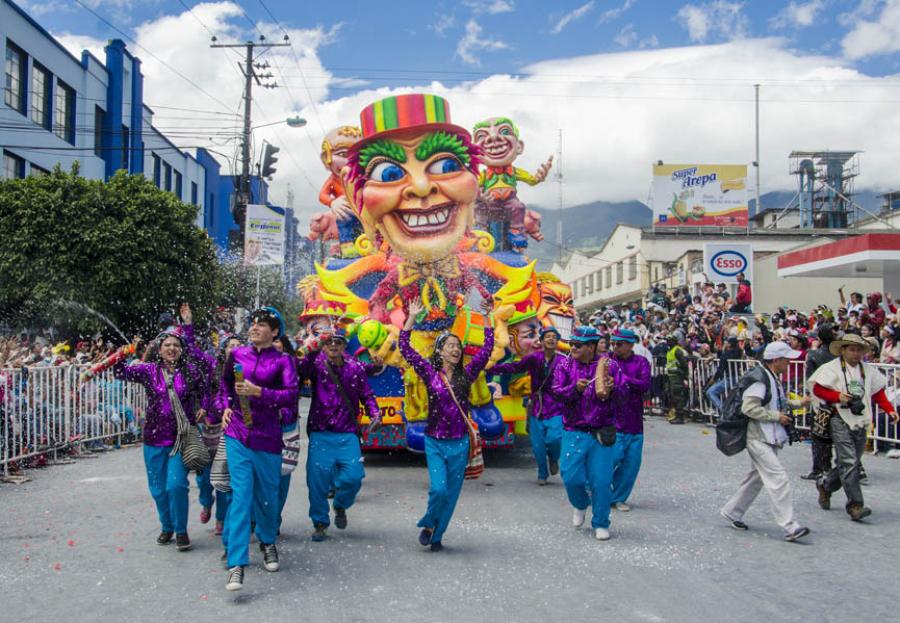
{"x": 441, "y": 142}
{"x": 388, "y": 149}
{"x": 497, "y": 121}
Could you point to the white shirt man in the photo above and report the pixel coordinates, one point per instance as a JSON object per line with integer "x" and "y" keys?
{"x": 766, "y": 434}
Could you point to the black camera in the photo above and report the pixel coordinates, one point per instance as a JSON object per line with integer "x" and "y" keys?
{"x": 856, "y": 405}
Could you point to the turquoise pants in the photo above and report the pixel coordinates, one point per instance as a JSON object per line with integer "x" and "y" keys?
{"x": 626, "y": 464}
{"x": 334, "y": 461}
{"x": 447, "y": 459}
{"x": 587, "y": 464}
{"x": 168, "y": 482}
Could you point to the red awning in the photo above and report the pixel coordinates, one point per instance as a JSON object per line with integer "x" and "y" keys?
{"x": 859, "y": 256}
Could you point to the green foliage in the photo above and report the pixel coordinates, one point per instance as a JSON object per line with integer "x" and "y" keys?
{"x": 442, "y": 142}
{"x": 124, "y": 248}
{"x": 385, "y": 148}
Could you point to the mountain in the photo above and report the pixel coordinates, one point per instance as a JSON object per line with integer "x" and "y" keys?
{"x": 585, "y": 227}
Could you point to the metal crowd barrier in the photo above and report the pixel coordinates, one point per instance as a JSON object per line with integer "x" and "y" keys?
{"x": 700, "y": 372}
{"x": 45, "y": 411}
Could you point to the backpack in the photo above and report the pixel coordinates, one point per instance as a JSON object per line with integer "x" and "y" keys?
{"x": 731, "y": 431}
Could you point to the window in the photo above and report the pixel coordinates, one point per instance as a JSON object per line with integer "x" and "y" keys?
{"x": 620, "y": 271}
{"x": 178, "y": 184}
{"x": 168, "y": 169}
{"x": 99, "y": 119}
{"x": 598, "y": 280}
{"x": 16, "y": 64}
{"x": 194, "y": 193}
{"x": 40, "y": 96}
{"x": 157, "y": 169}
{"x": 126, "y": 135}
{"x": 608, "y": 278}
{"x": 587, "y": 284}
{"x": 632, "y": 267}
{"x": 656, "y": 273}
{"x": 13, "y": 166}
{"x": 211, "y": 209}
{"x": 65, "y": 112}
{"x": 37, "y": 171}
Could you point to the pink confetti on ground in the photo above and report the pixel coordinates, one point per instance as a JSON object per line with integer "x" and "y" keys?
{"x": 120, "y": 549}
{"x": 27, "y": 558}
{"x": 71, "y": 542}
{"x": 203, "y": 597}
{"x": 57, "y": 567}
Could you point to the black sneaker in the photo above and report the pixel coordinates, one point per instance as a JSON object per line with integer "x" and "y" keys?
{"x": 677, "y": 420}
{"x": 319, "y": 535}
{"x": 797, "y": 534}
{"x": 735, "y": 523}
{"x": 164, "y": 538}
{"x": 340, "y": 518}
{"x": 270, "y": 556}
{"x": 811, "y": 476}
{"x": 436, "y": 546}
{"x": 425, "y": 537}
{"x": 554, "y": 467}
{"x": 235, "y": 579}
{"x": 182, "y": 542}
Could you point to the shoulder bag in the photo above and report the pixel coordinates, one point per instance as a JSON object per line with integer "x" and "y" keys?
{"x": 475, "y": 466}
{"x": 194, "y": 453}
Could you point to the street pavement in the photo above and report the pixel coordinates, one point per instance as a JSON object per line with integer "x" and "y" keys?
{"x": 77, "y": 544}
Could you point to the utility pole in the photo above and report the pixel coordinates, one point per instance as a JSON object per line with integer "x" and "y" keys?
{"x": 758, "y": 206}
{"x": 248, "y": 69}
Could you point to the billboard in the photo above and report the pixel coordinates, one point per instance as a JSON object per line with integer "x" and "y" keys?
{"x": 264, "y": 235}
{"x": 692, "y": 195}
{"x": 723, "y": 261}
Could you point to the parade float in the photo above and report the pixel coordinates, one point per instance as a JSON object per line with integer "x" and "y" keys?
{"x": 410, "y": 185}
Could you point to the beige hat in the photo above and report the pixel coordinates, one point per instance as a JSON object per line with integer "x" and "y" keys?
{"x": 849, "y": 339}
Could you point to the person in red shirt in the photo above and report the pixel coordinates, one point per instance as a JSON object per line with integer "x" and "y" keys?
{"x": 744, "y": 299}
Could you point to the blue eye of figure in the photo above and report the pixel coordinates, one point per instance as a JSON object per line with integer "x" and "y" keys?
{"x": 387, "y": 172}
{"x": 444, "y": 165}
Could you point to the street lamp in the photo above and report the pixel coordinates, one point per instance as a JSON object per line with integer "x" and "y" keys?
{"x": 291, "y": 122}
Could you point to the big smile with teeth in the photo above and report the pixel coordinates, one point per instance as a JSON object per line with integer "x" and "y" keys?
{"x": 497, "y": 150}
{"x": 434, "y": 220}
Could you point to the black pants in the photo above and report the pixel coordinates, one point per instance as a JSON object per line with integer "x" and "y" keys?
{"x": 821, "y": 455}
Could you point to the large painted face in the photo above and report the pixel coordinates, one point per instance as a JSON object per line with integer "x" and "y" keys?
{"x": 557, "y": 307}
{"x": 525, "y": 336}
{"x": 336, "y": 146}
{"x": 418, "y": 193}
{"x": 499, "y": 141}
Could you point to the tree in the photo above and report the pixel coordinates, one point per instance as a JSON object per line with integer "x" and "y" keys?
{"x": 123, "y": 248}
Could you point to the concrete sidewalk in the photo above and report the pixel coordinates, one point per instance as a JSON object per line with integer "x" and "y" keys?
{"x": 77, "y": 544}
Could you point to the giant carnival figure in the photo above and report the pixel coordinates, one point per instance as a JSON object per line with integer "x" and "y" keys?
{"x": 411, "y": 178}
{"x": 498, "y": 208}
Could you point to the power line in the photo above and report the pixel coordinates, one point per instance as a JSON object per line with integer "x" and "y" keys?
{"x": 164, "y": 63}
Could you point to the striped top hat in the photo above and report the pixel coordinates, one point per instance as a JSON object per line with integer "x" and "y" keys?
{"x": 395, "y": 114}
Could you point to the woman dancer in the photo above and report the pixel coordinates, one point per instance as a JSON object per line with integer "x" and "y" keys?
{"x": 164, "y": 376}
{"x": 446, "y": 436}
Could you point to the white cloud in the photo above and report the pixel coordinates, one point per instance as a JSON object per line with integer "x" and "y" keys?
{"x": 618, "y": 112}
{"x": 76, "y": 43}
{"x": 626, "y": 36}
{"x": 615, "y": 13}
{"x": 865, "y": 8}
{"x": 798, "y": 14}
{"x": 718, "y": 19}
{"x": 870, "y": 38}
{"x": 491, "y": 7}
{"x": 443, "y": 23}
{"x": 571, "y": 16}
{"x": 649, "y": 42}
{"x": 473, "y": 42}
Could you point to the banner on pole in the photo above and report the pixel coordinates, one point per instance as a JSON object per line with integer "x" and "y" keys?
{"x": 696, "y": 195}
{"x": 264, "y": 235}
{"x": 722, "y": 262}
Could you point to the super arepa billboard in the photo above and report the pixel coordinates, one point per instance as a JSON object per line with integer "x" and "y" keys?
{"x": 693, "y": 195}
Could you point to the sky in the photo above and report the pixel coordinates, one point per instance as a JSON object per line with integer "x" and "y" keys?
{"x": 623, "y": 82}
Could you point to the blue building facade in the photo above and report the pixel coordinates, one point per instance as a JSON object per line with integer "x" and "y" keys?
{"x": 59, "y": 109}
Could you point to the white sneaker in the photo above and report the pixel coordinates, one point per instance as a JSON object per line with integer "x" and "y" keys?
{"x": 893, "y": 454}
{"x": 601, "y": 534}
{"x": 542, "y": 482}
{"x": 578, "y": 517}
{"x": 622, "y": 506}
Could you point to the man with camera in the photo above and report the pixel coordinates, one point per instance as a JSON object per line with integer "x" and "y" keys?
{"x": 765, "y": 404}
{"x": 846, "y": 387}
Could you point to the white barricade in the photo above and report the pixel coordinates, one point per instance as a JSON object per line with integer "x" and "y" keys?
{"x": 45, "y": 410}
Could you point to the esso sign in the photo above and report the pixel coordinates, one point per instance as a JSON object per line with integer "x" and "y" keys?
{"x": 728, "y": 263}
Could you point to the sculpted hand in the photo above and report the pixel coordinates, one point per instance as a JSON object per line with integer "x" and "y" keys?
{"x": 342, "y": 209}
{"x": 543, "y": 170}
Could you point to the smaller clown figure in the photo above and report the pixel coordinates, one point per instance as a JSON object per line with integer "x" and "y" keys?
{"x": 500, "y": 143}
{"x": 334, "y": 156}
